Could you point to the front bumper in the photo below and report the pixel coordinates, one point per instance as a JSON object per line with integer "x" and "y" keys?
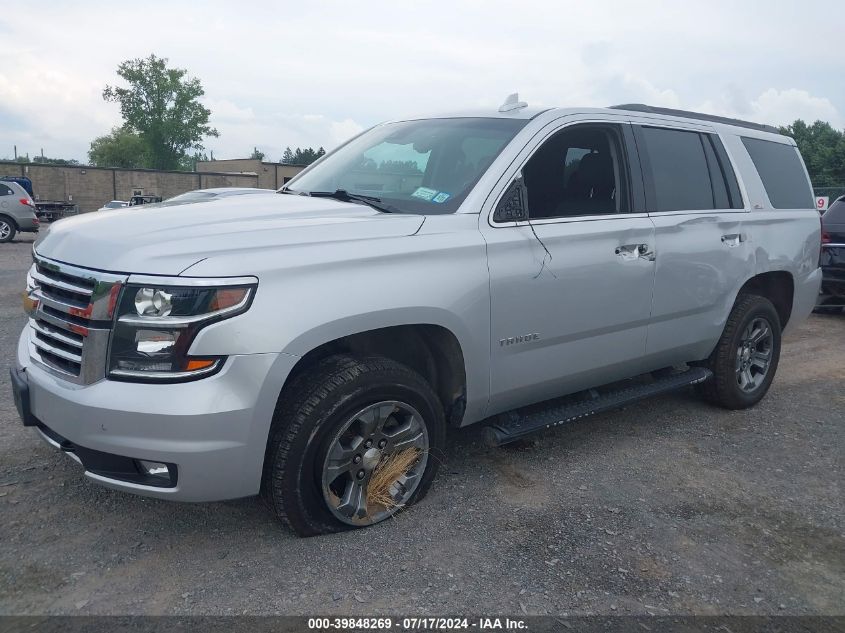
{"x": 214, "y": 430}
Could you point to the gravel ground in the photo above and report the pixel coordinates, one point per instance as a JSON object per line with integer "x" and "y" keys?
{"x": 667, "y": 507}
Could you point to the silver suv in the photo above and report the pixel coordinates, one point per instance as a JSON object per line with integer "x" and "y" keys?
{"x": 17, "y": 211}
{"x": 430, "y": 272}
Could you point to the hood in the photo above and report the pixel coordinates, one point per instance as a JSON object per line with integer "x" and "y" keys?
{"x": 167, "y": 240}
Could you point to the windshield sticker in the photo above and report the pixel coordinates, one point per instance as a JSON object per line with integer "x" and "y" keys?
{"x": 441, "y": 197}
{"x": 424, "y": 193}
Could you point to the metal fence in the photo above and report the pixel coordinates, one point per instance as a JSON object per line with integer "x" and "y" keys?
{"x": 832, "y": 192}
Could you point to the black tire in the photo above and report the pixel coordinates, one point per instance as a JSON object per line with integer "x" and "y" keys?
{"x": 6, "y": 221}
{"x": 724, "y": 389}
{"x": 312, "y": 409}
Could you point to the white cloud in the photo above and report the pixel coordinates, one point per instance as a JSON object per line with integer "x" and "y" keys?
{"x": 784, "y": 106}
{"x": 775, "y": 107}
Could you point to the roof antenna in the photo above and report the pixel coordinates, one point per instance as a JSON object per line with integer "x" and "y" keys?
{"x": 512, "y": 103}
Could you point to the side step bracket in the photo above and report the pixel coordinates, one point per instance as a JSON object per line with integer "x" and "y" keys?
{"x": 517, "y": 424}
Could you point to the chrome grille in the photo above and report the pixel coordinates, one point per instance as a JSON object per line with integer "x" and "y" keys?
{"x": 71, "y": 314}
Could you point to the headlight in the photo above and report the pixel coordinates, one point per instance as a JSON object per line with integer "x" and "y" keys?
{"x": 157, "y": 323}
{"x": 30, "y": 303}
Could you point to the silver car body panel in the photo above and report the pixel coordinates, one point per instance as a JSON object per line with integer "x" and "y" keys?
{"x": 23, "y": 214}
{"x": 530, "y": 325}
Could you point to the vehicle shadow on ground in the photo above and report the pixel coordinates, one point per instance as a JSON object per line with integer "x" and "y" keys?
{"x": 465, "y": 457}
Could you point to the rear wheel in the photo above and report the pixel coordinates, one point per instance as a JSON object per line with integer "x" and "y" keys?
{"x": 746, "y": 358}
{"x": 7, "y": 229}
{"x": 353, "y": 442}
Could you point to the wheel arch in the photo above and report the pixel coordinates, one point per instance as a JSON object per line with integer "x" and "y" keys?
{"x": 778, "y": 286}
{"x": 13, "y": 220}
{"x": 432, "y": 350}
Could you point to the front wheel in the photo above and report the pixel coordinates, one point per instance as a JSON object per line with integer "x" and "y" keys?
{"x": 353, "y": 442}
{"x": 746, "y": 358}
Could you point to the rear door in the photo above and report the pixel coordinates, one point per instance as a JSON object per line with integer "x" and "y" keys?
{"x": 702, "y": 252}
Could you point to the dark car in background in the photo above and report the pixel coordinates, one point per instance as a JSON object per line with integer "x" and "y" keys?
{"x": 832, "y": 295}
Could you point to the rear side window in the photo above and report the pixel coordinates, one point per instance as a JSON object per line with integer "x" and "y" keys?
{"x": 782, "y": 174}
{"x": 686, "y": 170}
{"x": 5, "y": 190}
{"x": 679, "y": 172}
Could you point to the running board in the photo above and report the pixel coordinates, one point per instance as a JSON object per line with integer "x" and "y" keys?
{"x": 515, "y": 425}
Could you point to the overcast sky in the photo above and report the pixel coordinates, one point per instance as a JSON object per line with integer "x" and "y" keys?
{"x": 311, "y": 74}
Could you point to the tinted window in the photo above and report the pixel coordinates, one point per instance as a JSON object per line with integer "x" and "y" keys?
{"x": 679, "y": 171}
{"x": 835, "y": 214}
{"x": 782, "y": 174}
{"x": 721, "y": 199}
{"x": 5, "y": 190}
{"x": 579, "y": 171}
{"x": 726, "y": 171}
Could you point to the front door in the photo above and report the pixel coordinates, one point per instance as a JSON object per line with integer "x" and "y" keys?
{"x": 571, "y": 288}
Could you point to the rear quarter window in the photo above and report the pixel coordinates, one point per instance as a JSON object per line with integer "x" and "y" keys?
{"x": 782, "y": 173}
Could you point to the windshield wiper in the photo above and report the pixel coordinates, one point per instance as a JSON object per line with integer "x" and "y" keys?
{"x": 344, "y": 196}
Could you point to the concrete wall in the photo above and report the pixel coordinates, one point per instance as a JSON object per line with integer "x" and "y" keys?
{"x": 270, "y": 175}
{"x": 91, "y": 187}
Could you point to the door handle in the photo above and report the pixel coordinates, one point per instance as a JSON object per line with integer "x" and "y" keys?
{"x": 635, "y": 251}
{"x": 645, "y": 252}
{"x": 733, "y": 239}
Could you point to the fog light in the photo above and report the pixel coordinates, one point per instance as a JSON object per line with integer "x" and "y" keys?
{"x": 154, "y": 469}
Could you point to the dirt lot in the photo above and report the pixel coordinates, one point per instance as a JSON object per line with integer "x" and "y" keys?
{"x": 667, "y": 507}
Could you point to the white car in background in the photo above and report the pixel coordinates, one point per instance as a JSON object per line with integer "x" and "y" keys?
{"x": 114, "y": 204}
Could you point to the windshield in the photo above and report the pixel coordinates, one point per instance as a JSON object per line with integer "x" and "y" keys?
{"x": 114, "y": 204}
{"x": 426, "y": 166}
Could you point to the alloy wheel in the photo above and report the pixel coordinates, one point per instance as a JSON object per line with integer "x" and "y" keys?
{"x": 377, "y": 433}
{"x": 754, "y": 354}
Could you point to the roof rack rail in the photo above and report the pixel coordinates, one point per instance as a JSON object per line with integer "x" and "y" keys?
{"x": 640, "y": 107}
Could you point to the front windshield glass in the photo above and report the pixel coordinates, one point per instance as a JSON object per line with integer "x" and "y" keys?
{"x": 425, "y": 166}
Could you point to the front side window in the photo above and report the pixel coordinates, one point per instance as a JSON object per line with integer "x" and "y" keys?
{"x": 782, "y": 174}
{"x": 579, "y": 171}
{"x": 425, "y": 166}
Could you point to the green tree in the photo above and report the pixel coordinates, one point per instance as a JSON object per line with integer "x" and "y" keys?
{"x": 256, "y": 155}
{"x": 306, "y": 156}
{"x": 161, "y": 105}
{"x": 120, "y": 148}
{"x": 287, "y": 157}
{"x": 823, "y": 148}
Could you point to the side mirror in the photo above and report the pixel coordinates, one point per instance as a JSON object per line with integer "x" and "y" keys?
{"x": 512, "y": 207}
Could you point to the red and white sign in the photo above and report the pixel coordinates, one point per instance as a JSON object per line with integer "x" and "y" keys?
{"x": 822, "y": 202}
